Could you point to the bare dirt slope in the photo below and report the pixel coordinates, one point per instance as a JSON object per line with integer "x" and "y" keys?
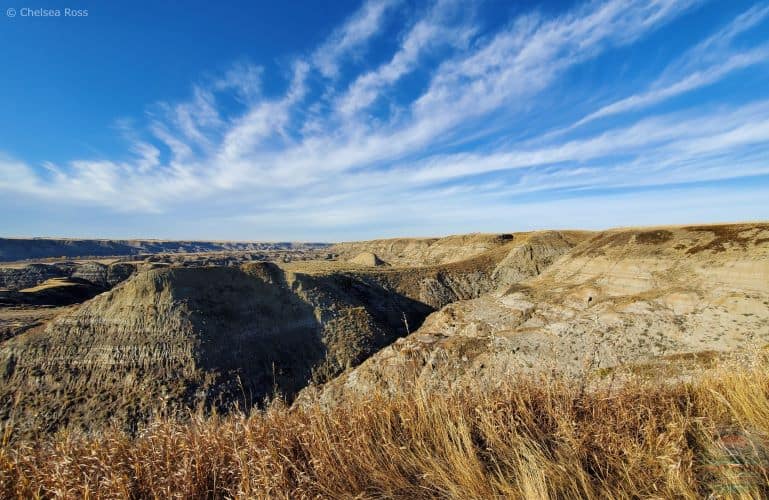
{"x": 622, "y": 296}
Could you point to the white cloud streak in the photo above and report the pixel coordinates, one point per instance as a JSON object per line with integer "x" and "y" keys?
{"x": 706, "y": 63}
{"x": 321, "y": 156}
{"x": 353, "y": 35}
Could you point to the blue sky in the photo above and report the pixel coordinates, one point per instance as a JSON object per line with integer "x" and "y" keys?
{"x": 343, "y": 120}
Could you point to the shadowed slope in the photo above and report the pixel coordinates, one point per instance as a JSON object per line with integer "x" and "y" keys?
{"x": 187, "y": 337}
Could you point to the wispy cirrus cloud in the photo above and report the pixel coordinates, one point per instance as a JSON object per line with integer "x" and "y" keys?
{"x": 707, "y": 62}
{"x": 351, "y": 36}
{"x": 327, "y": 152}
{"x": 438, "y": 28}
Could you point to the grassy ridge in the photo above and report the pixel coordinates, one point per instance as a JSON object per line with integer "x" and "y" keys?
{"x": 530, "y": 439}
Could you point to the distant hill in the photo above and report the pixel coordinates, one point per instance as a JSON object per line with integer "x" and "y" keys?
{"x": 14, "y": 249}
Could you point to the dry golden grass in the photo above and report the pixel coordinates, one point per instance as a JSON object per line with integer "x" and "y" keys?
{"x": 530, "y": 439}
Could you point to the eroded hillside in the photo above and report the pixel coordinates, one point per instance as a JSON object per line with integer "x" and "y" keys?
{"x": 174, "y": 337}
{"x": 514, "y": 258}
{"x": 182, "y": 337}
{"x": 424, "y": 251}
{"x": 636, "y": 297}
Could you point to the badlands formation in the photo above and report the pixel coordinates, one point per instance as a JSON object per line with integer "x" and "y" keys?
{"x": 377, "y": 317}
{"x": 653, "y": 299}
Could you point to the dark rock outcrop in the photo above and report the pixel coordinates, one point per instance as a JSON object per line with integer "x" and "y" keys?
{"x": 18, "y": 278}
{"x": 95, "y": 273}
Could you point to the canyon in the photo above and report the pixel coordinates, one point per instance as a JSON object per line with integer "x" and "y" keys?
{"x": 177, "y": 333}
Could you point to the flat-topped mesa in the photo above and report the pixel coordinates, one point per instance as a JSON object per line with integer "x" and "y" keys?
{"x": 176, "y": 338}
{"x": 627, "y": 296}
